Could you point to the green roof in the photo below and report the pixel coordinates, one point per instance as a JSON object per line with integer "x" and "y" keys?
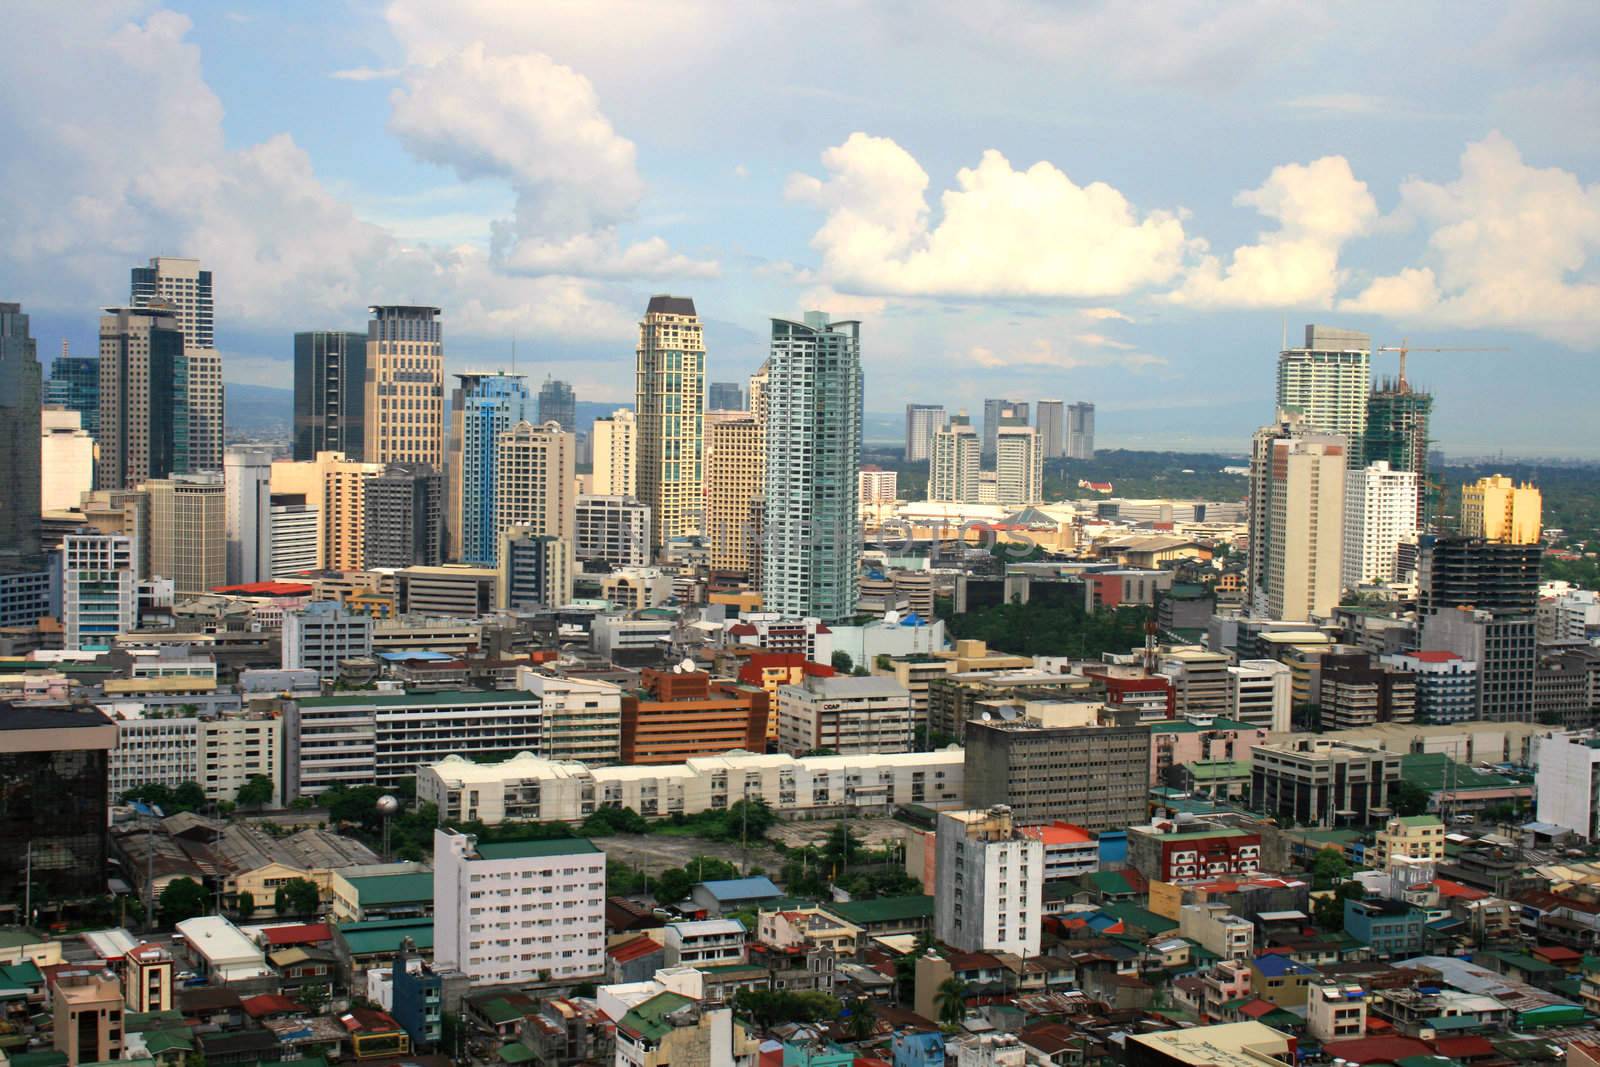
{"x": 499, "y": 1010}
{"x": 1132, "y": 914}
{"x": 416, "y": 700}
{"x": 25, "y": 973}
{"x": 1434, "y": 771}
{"x": 158, "y": 1041}
{"x": 882, "y": 910}
{"x": 43, "y": 1058}
{"x": 1520, "y": 960}
{"x": 16, "y": 937}
{"x": 1420, "y": 820}
{"x": 648, "y": 1020}
{"x": 1107, "y": 882}
{"x": 379, "y": 889}
{"x": 1208, "y": 769}
{"x": 385, "y": 935}
{"x": 1197, "y": 835}
{"x": 516, "y": 1052}
{"x": 523, "y": 850}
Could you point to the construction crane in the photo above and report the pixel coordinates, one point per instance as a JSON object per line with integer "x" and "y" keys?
{"x": 1406, "y": 346}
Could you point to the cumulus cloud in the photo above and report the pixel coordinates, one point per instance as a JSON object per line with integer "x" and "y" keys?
{"x": 1000, "y": 232}
{"x": 1509, "y": 246}
{"x": 1318, "y": 207}
{"x": 365, "y": 74}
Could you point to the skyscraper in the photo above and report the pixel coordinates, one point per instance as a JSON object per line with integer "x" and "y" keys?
{"x": 484, "y": 406}
{"x": 247, "y": 473}
{"x": 735, "y": 493}
{"x": 558, "y": 404}
{"x": 1380, "y": 514}
{"x": 1328, "y": 382}
{"x": 726, "y": 396}
{"x": 1497, "y": 509}
{"x": 996, "y": 411}
{"x": 616, "y": 450}
{"x": 330, "y": 393}
{"x": 812, "y": 551}
{"x": 189, "y": 531}
{"x": 953, "y": 471}
{"x": 1397, "y": 434}
{"x": 144, "y": 397}
{"x": 1080, "y": 431}
{"x": 1306, "y": 544}
{"x": 669, "y": 391}
{"x": 181, "y": 285}
{"x": 1051, "y": 421}
{"x": 1478, "y": 598}
{"x": 403, "y": 524}
{"x": 404, "y": 408}
{"x": 534, "y": 483}
{"x": 922, "y": 422}
{"x": 75, "y": 383}
{"x": 1019, "y": 466}
{"x": 24, "y": 584}
{"x": 758, "y": 392}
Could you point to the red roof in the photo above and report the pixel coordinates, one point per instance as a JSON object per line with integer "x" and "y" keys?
{"x": 1060, "y": 833}
{"x": 370, "y": 1020}
{"x": 635, "y": 949}
{"x": 1256, "y": 1008}
{"x": 1458, "y": 891}
{"x": 302, "y": 934}
{"x": 269, "y": 1004}
{"x": 742, "y": 629}
{"x": 1435, "y": 655}
{"x": 1464, "y": 1048}
{"x": 1376, "y": 1049}
{"x": 266, "y": 589}
{"x": 1557, "y": 953}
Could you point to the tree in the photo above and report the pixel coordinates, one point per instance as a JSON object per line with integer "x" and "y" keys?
{"x": 183, "y": 898}
{"x": 861, "y": 1022}
{"x": 672, "y": 885}
{"x": 608, "y": 821}
{"x": 843, "y": 663}
{"x": 297, "y": 896}
{"x": 189, "y": 797}
{"x": 1328, "y": 868}
{"x": 255, "y": 793}
{"x": 750, "y": 819}
{"x": 313, "y": 997}
{"x": 245, "y": 904}
{"x": 951, "y": 1000}
{"x": 770, "y": 1007}
{"x": 1409, "y": 798}
{"x": 841, "y": 847}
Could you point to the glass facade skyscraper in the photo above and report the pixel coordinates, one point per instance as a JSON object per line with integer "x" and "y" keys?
{"x": 330, "y": 401}
{"x": 484, "y": 405}
{"x": 75, "y": 385}
{"x": 20, "y": 456}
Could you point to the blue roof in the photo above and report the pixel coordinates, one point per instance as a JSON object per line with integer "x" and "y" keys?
{"x": 742, "y": 888}
{"x": 401, "y": 657}
{"x": 1274, "y": 965}
{"x": 912, "y": 619}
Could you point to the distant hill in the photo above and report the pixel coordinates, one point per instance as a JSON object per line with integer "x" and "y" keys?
{"x": 257, "y": 412}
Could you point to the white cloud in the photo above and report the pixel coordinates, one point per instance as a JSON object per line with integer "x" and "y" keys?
{"x": 1510, "y": 246}
{"x": 365, "y": 74}
{"x": 1001, "y": 231}
{"x": 1103, "y": 314}
{"x": 1318, "y": 207}
{"x": 1042, "y": 353}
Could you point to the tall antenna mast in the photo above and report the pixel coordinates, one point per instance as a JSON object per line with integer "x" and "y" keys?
{"x": 513, "y": 351}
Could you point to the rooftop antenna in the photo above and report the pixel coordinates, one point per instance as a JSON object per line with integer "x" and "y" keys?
{"x": 513, "y": 351}
{"x": 1285, "y": 346}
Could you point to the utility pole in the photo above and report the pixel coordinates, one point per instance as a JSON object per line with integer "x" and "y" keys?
{"x": 27, "y": 886}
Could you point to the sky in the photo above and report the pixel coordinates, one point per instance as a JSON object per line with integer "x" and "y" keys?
{"x": 1125, "y": 203}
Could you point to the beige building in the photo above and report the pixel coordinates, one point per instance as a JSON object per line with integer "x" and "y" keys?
{"x": 336, "y": 486}
{"x": 736, "y": 478}
{"x": 1496, "y": 509}
{"x": 1306, "y": 531}
{"x": 235, "y": 748}
{"x": 670, "y": 385}
{"x": 798, "y": 927}
{"x": 188, "y": 531}
{"x": 147, "y": 979}
{"x": 1413, "y": 837}
{"x": 616, "y": 450}
{"x": 66, "y": 459}
{"x": 534, "y": 484}
{"x": 953, "y": 469}
{"x": 88, "y": 1016}
{"x": 141, "y": 350}
{"x": 405, "y": 387}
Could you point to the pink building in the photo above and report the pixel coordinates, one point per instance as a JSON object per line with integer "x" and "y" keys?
{"x": 1172, "y": 743}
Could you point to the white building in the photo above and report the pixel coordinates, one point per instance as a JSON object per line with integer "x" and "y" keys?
{"x": 1380, "y": 514}
{"x": 533, "y": 789}
{"x": 953, "y": 470}
{"x": 1019, "y": 466}
{"x": 247, "y": 481}
{"x": 222, "y": 952}
{"x": 519, "y": 911}
{"x": 877, "y": 486}
{"x": 1447, "y": 684}
{"x": 66, "y": 459}
{"x": 99, "y": 590}
{"x": 1328, "y": 381}
{"x": 847, "y": 715}
{"x": 707, "y": 943}
{"x": 991, "y": 884}
{"x": 922, "y": 422}
{"x": 321, "y": 634}
{"x": 1259, "y": 693}
{"x": 151, "y": 749}
{"x": 613, "y": 528}
{"x": 582, "y": 717}
{"x": 615, "y": 455}
{"x": 296, "y": 537}
{"x": 610, "y": 635}
{"x": 232, "y": 749}
{"x": 774, "y": 633}
{"x": 1565, "y": 781}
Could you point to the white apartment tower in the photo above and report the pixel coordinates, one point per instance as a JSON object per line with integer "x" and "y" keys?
{"x": 182, "y": 286}
{"x": 616, "y": 448}
{"x": 1019, "y": 466}
{"x": 405, "y": 386}
{"x": 991, "y": 879}
{"x": 534, "y": 483}
{"x": 99, "y": 589}
{"x": 322, "y": 633}
{"x": 1259, "y": 694}
{"x": 922, "y": 422}
{"x": 1380, "y": 514}
{"x": 1050, "y": 419}
{"x": 953, "y": 470}
{"x": 1328, "y": 382}
{"x": 1306, "y": 502}
{"x": 247, "y": 477}
{"x": 669, "y": 390}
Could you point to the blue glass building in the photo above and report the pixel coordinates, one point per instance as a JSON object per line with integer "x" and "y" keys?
{"x": 484, "y": 405}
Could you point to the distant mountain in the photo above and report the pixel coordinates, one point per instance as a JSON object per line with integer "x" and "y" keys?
{"x": 257, "y": 411}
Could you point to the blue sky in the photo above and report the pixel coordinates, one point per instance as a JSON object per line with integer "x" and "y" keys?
{"x": 1124, "y": 203}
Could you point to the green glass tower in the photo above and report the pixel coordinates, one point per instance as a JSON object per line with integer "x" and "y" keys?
{"x": 1397, "y": 431}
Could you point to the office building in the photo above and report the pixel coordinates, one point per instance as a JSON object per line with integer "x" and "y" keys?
{"x": 403, "y": 523}
{"x": 1306, "y": 527}
{"x": 1505, "y": 648}
{"x": 66, "y": 459}
{"x": 1019, "y": 466}
{"x": 675, "y": 716}
{"x": 99, "y": 589}
{"x": 877, "y": 486}
{"x": 616, "y": 446}
{"x": 1200, "y": 681}
{"x": 811, "y": 555}
{"x": 844, "y": 714}
{"x": 1380, "y": 515}
{"x": 454, "y": 589}
{"x": 996, "y": 413}
{"x": 404, "y": 396}
{"x": 535, "y": 570}
{"x": 321, "y": 635}
{"x": 1354, "y": 692}
{"x": 612, "y": 529}
{"x": 330, "y": 393}
{"x": 53, "y": 822}
{"x": 189, "y": 531}
{"x": 75, "y": 385}
{"x": 669, "y": 389}
{"x": 296, "y": 545}
{"x": 1096, "y": 777}
{"x": 582, "y": 717}
{"x": 247, "y": 479}
{"x": 1258, "y": 694}
{"x": 1464, "y": 572}
{"x": 22, "y": 571}
{"x": 953, "y": 470}
{"x": 1446, "y": 684}
{"x": 535, "y": 485}
{"x": 1050, "y": 420}
{"x": 1397, "y": 434}
{"x": 1565, "y": 783}
{"x": 922, "y": 422}
{"x": 1496, "y": 509}
{"x": 144, "y": 398}
{"x": 483, "y": 406}
{"x": 735, "y": 469}
{"x": 1080, "y": 431}
{"x": 726, "y": 396}
{"x": 558, "y": 404}
{"x": 1327, "y": 382}
{"x": 180, "y": 284}
{"x": 519, "y": 911}
{"x": 991, "y": 883}
{"x": 1321, "y": 781}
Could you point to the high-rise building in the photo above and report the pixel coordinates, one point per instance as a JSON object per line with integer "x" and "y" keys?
{"x": 484, "y": 406}
{"x": 1096, "y": 777}
{"x": 404, "y": 406}
{"x": 726, "y": 396}
{"x": 534, "y": 483}
{"x": 20, "y": 456}
{"x": 991, "y": 878}
{"x": 1050, "y": 419}
{"x": 336, "y": 487}
{"x": 953, "y": 471}
{"x": 330, "y": 393}
{"x": 878, "y": 486}
{"x": 1328, "y": 382}
{"x": 759, "y": 381}
{"x": 1397, "y": 434}
{"x": 1478, "y": 599}
{"x": 922, "y": 422}
{"x": 247, "y": 474}
{"x": 1468, "y": 572}
{"x": 1306, "y": 530}
{"x": 99, "y": 589}
{"x": 296, "y": 539}
{"x": 535, "y": 571}
{"x": 403, "y": 523}
{"x": 1497, "y": 509}
{"x": 614, "y": 530}
{"x": 1258, "y": 507}
{"x": 321, "y": 634}
{"x": 557, "y": 403}
{"x": 189, "y": 531}
{"x": 144, "y": 398}
{"x": 996, "y": 412}
{"x": 53, "y": 823}
{"x": 181, "y": 285}
{"x": 616, "y": 449}
{"x": 1380, "y": 514}
{"x": 669, "y": 389}
{"x": 1080, "y": 431}
{"x": 75, "y": 384}
{"x": 736, "y": 467}
{"x": 811, "y": 555}
{"x": 66, "y": 459}
{"x": 1019, "y": 466}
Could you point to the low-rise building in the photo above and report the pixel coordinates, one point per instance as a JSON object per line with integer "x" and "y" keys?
{"x": 1320, "y": 781}
{"x": 1390, "y": 928}
{"x": 678, "y": 715}
{"x": 88, "y": 1016}
{"x": 1069, "y": 851}
{"x": 1336, "y": 1011}
{"x": 1410, "y": 837}
{"x": 846, "y": 715}
{"x": 705, "y": 943}
{"x": 1194, "y": 854}
{"x": 1218, "y": 930}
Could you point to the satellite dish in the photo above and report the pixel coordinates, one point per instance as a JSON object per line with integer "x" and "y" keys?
{"x": 388, "y": 804}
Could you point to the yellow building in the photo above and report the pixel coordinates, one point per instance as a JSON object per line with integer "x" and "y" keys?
{"x": 1496, "y": 509}
{"x": 736, "y": 478}
{"x": 798, "y": 926}
{"x": 336, "y": 486}
{"x": 88, "y": 1017}
{"x": 1416, "y": 837}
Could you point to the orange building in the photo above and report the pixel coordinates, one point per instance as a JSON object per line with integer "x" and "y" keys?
{"x": 773, "y": 670}
{"x": 674, "y": 717}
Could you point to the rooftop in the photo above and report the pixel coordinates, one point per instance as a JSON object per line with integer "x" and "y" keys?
{"x": 523, "y": 850}
{"x": 882, "y": 910}
{"x": 733, "y": 889}
{"x": 380, "y": 889}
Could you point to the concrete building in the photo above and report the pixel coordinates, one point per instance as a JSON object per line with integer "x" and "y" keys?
{"x": 1258, "y": 694}
{"x": 953, "y": 469}
{"x": 518, "y": 911}
{"x": 1410, "y": 838}
{"x": 321, "y": 635}
{"x": 1019, "y": 466}
{"x": 582, "y": 718}
{"x": 403, "y": 525}
{"x": 1218, "y": 930}
{"x": 87, "y": 1008}
{"x": 1050, "y": 420}
{"x": 1446, "y": 684}
{"x": 1069, "y": 851}
{"x": 147, "y": 985}
{"x": 811, "y": 545}
{"x": 1205, "y": 854}
{"x": 155, "y": 750}
{"x": 997, "y": 412}
{"x": 1247, "y": 1044}
{"x": 736, "y": 480}
{"x": 330, "y": 393}
{"x": 1200, "y": 681}
{"x": 1306, "y": 527}
{"x": 1096, "y": 777}
{"x": 669, "y": 393}
{"x": 1320, "y": 781}
{"x": 484, "y": 406}
{"x": 1080, "y": 430}
{"x": 99, "y": 590}
{"x": 558, "y": 404}
{"x": 179, "y": 285}
{"x": 188, "y": 531}
{"x": 144, "y": 398}
{"x": 405, "y": 386}
{"x": 535, "y": 571}
{"x": 1380, "y": 515}
{"x": 335, "y": 487}
{"x": 1336, "y": 1011}
{"x": 454, "y": 589}
{"x": 877, "y": 486}
{"x": 843, "y": 714}
{"x": 616, "y": 446}
{"x": 922, "y": 422}
{"x": 1354, "y": 692}
{"x": 706, "y": 943}
{"x": 1504, "y": 649}
{"x": 1495, "y": 508}
{"x": 237, "y": 747}
{"x": 675, "y": 716}
{"x": 1328, "y": 381}
{"x": 247, "y": 478}
{"x": 670, "y": 1027}
{"x": 991, "y": 878}
{"x": 66, "y": 459}
{"x": 534, "y": 483}
{"x": 1397, "y": 434}
{"x": 1565, "y": 785}
{"x": 1464, "y": 572}
{"x": 612, "y": 529}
